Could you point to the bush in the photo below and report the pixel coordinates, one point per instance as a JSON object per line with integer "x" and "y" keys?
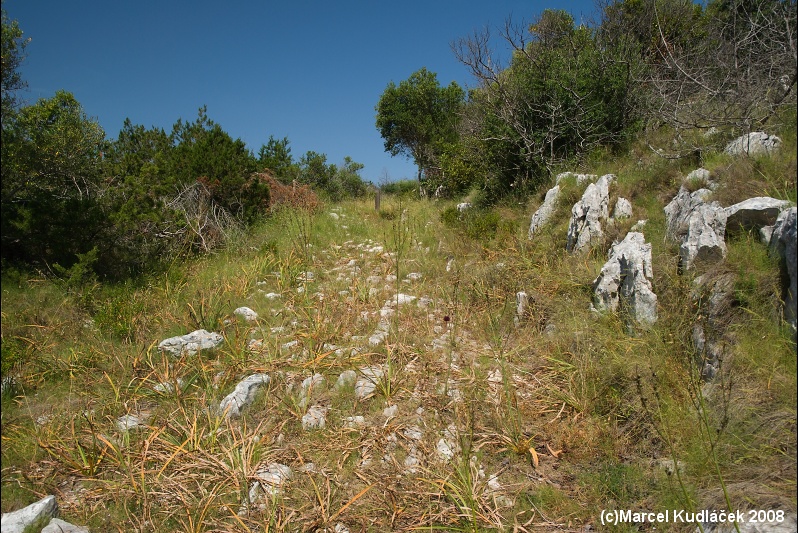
{"x": 404, "y": 188}
{"x": 479, "y": 224}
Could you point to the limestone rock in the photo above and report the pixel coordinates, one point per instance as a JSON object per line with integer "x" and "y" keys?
{"x": 704, "y": 242}
{"x": 754, "y": 143}
{"x": 587, "y": 214}
{"x": 243, "y": 394}
{"x": 701, "y": 176}
{"x": 127, "y": 422}
{"x": 783, "y": 244}
{"x": 579, "y": 178}
{"x": 346, "y": 379}
{"x": 544, "y": 212}
{"x": 246, "y": 313}
{"x": 625, "y": 279}
{"x": 463, "y": 206}
{"x": 367, "y": 381}
{"x": 521, "y": 303}
{"x": 60, "y": 526}
{"x": 191, "y": 343}
{"x": 273, "y": 477}
{"x": 754, "y": 213}
{"x": 623, "y": 209}
{"x": 40, "y": 512}
{"x": 316, "y": 417}
{"x": 678, "y": 211}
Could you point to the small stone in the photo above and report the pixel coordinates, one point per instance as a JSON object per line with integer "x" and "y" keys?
{"x": 243, "y": 394}
{"x": 191, "y": 343}
{"x": 367, "y": 382}
{"x": 346, "y": 379}
{"x": 315, "y": 418}
{"x": 623, "y": 209}
{"x": 246, "y": 313}
{"x": 273, "y": 477}
{"x": 354, "y": 421}
{"x": 127, "y": 422}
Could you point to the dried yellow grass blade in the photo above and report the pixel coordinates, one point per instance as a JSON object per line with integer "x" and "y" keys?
{"x": 350, "y": 502}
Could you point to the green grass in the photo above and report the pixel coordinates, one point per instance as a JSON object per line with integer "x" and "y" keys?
{"x": 581, "y": 413}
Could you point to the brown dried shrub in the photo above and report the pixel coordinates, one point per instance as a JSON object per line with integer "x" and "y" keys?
{"x": 294, "y": 195}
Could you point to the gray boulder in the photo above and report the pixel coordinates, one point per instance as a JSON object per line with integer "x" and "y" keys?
{"x": 587, "y": 214}
{"x": 544, "y": 212}
{"x": 754, "y": 213}
{"x": 243, "y": 394}
{"x": 783, "y": 244}
{"x": 704, "y": 241}
{"x": 625, "y": 279}
{"x": 754, "y": 143}
{"x": 39, "y": 513}
{"x": 678, "y": 211}
{"x": 191, "y": 343}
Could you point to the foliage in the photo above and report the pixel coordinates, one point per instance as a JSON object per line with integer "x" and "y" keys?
{"x": 333, "y": 181}
{"x": 13, "y": 52}
{"x": 562, "y": 95}
{"x": 51, "y": 184}
{"x": 275, "y": 157}
{"x": 416, "y": 117}
{"x": 405, "y": 188}
{"x": 730, "y": 64}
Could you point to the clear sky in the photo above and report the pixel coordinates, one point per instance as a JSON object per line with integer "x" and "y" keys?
{"x": 308, "y": 70}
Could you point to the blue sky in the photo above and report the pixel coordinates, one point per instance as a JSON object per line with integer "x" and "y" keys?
{"x": 307, "y": 70}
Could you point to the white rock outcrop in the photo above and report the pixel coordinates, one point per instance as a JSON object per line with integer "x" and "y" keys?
{"x": 699, "y": 227}
{"x": 677, "y": 212}
{"x": 754, "y": 143}
{"x": 625, "y": 280}
{"x": 705, "y": 239}
{"x": 783, "y": 243}
{"x": 40, "y": 512}
{"x": 588, "y": 213}
{"x": 754, "y": 213}
{"x": 544, "y": 212}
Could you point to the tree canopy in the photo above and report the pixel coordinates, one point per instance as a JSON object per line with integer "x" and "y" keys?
{"x": 418, "y": 116}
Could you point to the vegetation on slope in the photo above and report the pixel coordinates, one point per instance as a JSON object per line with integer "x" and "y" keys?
{"x": 571, "y": 413}
{"x": 550, "y": 420}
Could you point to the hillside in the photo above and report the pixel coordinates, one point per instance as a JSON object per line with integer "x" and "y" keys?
{"x": 385, "y": 374}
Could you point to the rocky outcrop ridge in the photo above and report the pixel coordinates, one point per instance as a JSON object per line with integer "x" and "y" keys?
{"x": 625, "y": 280}
{"x": 588, "y": 214}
